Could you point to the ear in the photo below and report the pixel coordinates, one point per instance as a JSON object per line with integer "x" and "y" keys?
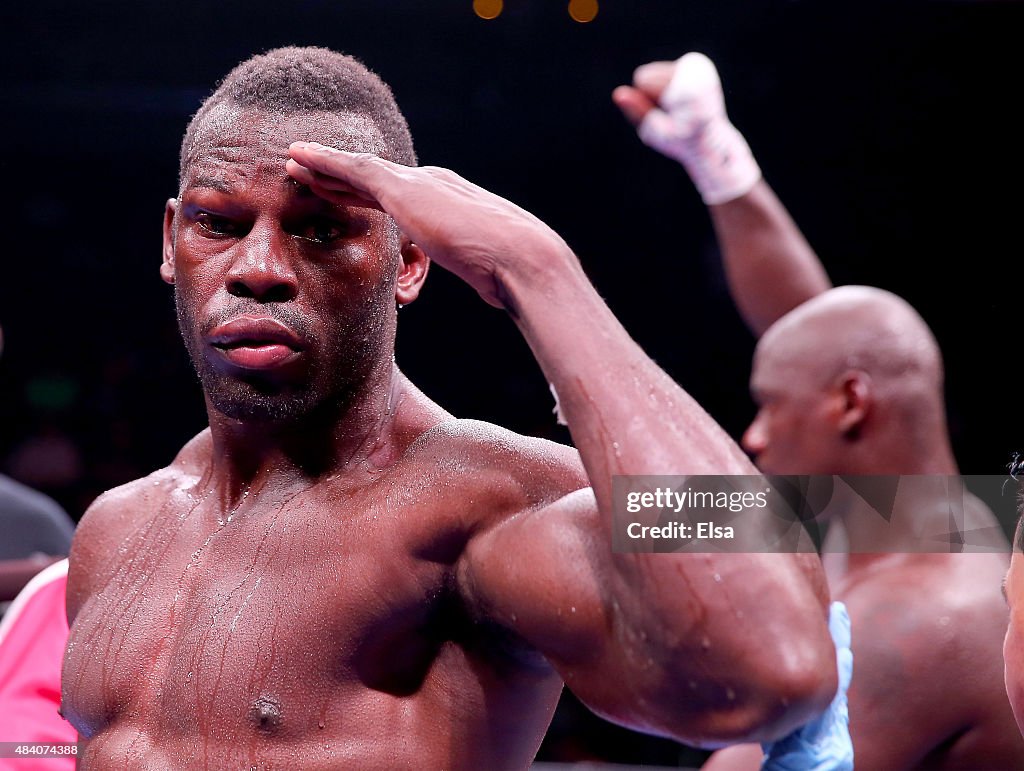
{"x": 412, "y": 272}
{"x": 167, "y": 266}
{"x": 855, "y": 400}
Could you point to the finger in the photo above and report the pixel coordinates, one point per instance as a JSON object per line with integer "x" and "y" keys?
{"x": 329, "y": 188}
{"x": 309, "y": 177}
{"x": 652, "y": 79}
{"x": 365, "y": 173}
{"x": 634, "y": 103}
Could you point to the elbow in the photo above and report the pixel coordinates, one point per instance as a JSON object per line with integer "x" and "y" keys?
{"x": 768, "y": 701}
{"x": 791, "y": 690}
{"x": 759, "y": 703}
{"x": 795, "y": 695}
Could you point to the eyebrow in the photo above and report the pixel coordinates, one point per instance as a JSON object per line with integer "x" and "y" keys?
{"x": 212, "y": 183}
{"x": 222, "y": 186}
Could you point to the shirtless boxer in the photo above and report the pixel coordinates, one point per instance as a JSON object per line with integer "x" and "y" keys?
{"x": 850, "y": 382}
{"x": 338, "y": 573}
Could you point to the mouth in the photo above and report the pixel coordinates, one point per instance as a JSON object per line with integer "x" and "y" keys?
{"x": 255, "y": 343}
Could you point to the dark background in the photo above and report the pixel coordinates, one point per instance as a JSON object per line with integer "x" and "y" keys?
{"x": 890, "y": 130}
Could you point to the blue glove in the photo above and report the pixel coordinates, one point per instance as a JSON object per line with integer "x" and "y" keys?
{"x": 824, "y": 743}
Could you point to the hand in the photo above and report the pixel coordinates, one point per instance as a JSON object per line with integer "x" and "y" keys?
{"x": 477, "y": 235}
{"x": 649, "y": 83}
{"x": 678, "y": 99}
{"x": 679, "y": 110}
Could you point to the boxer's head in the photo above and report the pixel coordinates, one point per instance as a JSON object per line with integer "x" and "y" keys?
{"x": 286, "y": 302}
{"x": 848, "y": 382}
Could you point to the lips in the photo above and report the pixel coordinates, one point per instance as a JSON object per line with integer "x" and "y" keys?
{"x": 251, "y": 342}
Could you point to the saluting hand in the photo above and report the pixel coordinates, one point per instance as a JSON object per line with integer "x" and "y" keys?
{"x": 481, "y": 237}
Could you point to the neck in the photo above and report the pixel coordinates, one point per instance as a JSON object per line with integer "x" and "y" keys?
{"x": 911, "y": 488}
{"x": 902, "y": 453}
{"x": 910, "y": 438}
{"x": 358, "y": 434}
{"x": 909, "y": 513}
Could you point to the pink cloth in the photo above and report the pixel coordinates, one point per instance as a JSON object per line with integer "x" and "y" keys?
{"x": 33, "y": 635}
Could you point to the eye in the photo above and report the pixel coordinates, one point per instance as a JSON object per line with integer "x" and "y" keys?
{"x": 216, "y": 225}
{"x": 324, "y": 230}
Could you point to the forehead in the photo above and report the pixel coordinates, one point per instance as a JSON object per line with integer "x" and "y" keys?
{"x": 785, "y": 363}
{"x": 235, "y": 140}
{"x": 772, "y": 356}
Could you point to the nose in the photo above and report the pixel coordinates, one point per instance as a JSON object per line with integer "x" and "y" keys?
{"x": 755, "y": 438}
{"x": 262, "y": 270}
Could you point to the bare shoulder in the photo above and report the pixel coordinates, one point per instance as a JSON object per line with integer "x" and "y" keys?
{"x": 914, "y": 615}
{"x": 499, "y": 464}
{"x": 912, "y": 595}
{"x": 119, "y": 512}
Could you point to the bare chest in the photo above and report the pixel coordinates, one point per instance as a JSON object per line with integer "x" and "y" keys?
{"x": 200, "y": 620}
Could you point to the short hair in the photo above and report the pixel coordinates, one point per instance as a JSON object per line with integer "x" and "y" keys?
{"x": 308, "y": 79}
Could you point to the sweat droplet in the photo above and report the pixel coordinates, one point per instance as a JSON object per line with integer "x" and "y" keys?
{"x": 718, "y": 578}
{"x": 730, "y": 694}
{"x": 321, "y": 724}
{"x": 705, "y": 643}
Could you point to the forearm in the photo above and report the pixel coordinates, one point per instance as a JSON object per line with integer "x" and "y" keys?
{"x": 626, "y": 415}
{"x": 769, "y": 265}
{"x": 693, "y": 612}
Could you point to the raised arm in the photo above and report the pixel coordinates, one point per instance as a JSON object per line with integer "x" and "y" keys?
{"x": 679, "y": 110}
{"x": 710, "y": 648}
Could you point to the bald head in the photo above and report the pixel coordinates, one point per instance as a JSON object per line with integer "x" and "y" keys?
{"x": 849, "y": 382}
{"x": 857, "y": 328}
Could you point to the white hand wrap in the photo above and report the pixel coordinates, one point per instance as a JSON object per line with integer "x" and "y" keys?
{"x": 693, "y": 128}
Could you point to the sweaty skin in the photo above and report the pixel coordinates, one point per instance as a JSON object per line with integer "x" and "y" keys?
{"x": 849, "y": 381}
{"x": 322, "y": 626}
{"x": 338, "y": 573}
